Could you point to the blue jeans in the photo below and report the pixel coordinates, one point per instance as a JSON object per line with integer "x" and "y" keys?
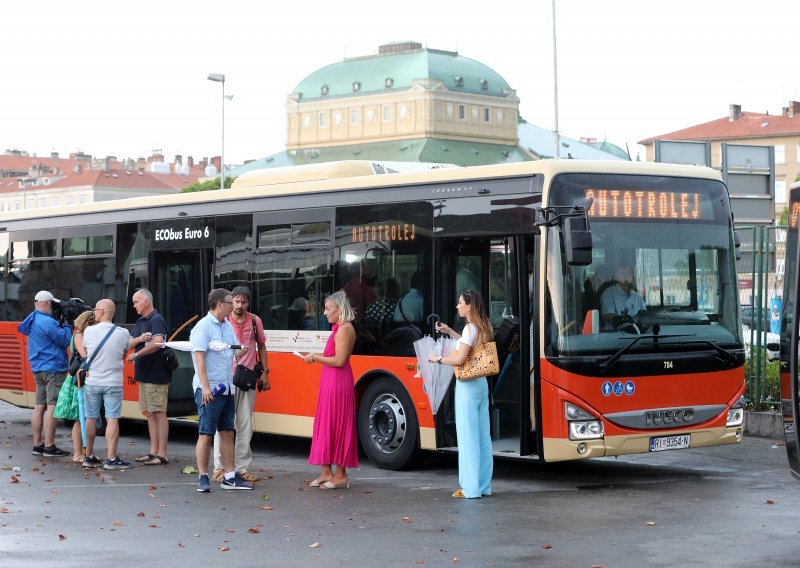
{"x": 219, "y": 414}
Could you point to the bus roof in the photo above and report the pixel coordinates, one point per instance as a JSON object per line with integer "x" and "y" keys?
{"x": 360, "y": 174}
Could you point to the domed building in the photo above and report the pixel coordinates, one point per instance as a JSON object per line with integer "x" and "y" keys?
{"x": 407, "y": 103}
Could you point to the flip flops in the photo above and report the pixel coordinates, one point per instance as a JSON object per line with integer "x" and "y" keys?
{"x": 156, "y": 460}
{"x": 145, "y": 458}
{"x": 331, "y": 485}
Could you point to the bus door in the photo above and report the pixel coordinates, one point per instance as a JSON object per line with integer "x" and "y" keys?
{"x": 498, "y": 268}
{"x": 181, "y": 281}
{"x": 790, "y": 387}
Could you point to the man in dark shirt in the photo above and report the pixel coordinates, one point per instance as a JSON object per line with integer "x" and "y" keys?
{"x": 151, "y": 374}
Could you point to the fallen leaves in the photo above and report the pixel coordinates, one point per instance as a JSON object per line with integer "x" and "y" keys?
{"x": 266, "y": 508}
{"x": 315, "y": 545}
{"x": 770, "y": 502}
{"x": 189, "y": 469}
{"x": 14, "y": 479}
{"x": 407, "y": 520}
{"x": 223, "y": 548}
{"x": 650, "y": 524}
{"x": 254, "y": 530}
{"x": 62, "y": 537}
{"x": 547, "y": 546}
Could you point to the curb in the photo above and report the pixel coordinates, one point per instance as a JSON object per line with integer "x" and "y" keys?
{"x": 764, "y": 425}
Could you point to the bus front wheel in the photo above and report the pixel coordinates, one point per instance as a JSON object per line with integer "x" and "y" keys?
{"x": 387, "y": 425}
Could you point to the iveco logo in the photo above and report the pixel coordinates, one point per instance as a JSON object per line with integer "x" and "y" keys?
{"x": 666, "y": 417}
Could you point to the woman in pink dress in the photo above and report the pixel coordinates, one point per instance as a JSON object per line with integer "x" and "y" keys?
{"x": 334, "y": 441}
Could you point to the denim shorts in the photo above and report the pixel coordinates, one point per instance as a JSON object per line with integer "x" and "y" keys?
{"x": 110, "y": 397}
{"x": 218, "y": 414}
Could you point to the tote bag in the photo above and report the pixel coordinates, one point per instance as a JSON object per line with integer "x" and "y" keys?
{"x": 482, "y": 361}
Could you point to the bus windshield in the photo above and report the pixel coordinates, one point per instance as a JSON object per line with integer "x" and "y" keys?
{"x": 663, "y": 267}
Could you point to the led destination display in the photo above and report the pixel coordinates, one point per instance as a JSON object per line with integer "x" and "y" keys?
{"x": 645, "y": 204}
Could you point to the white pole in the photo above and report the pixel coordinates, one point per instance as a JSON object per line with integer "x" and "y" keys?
{"x": 222, "y": 153}
{"x": 556, "y": 154}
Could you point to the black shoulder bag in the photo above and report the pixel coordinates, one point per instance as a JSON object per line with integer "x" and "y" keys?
{"x": 75, "y": 360}
{"x": 245, "y": 378}
{"x": 83, "y": 372}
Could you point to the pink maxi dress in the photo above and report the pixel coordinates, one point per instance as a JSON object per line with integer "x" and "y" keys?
{"x": 334, "y": 440}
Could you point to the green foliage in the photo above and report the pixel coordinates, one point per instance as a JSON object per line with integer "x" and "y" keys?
{"x": 208, "y": 185}
{"x": 769, "y": 380}
{"x": 783, "y": 218}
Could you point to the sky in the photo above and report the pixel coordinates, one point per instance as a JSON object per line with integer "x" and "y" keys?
{"x": 128, "y": 78}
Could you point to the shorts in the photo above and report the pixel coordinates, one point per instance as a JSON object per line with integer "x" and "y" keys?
{"x": 110, "y": 397}
{"x": 153, "y": 397}
{"x": 217, "y": 415}
{"x": 48, "y": 385}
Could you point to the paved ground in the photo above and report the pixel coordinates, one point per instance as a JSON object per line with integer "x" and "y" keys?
{"x": 728, "y": 506}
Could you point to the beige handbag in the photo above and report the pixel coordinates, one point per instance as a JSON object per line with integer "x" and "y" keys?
{"x": 482, "y": 361}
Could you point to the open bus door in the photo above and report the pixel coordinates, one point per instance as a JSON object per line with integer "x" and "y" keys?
{"x": 180, "y": 284}
{"x": 499, "y": 268}
{"x": 790, "y": 319}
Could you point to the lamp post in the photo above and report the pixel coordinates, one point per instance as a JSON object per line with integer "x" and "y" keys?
{"x": 220, "y": 78}
{"x": 557, "y": 151}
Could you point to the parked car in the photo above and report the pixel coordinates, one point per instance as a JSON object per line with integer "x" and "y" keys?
{"x": 750, "y": 317}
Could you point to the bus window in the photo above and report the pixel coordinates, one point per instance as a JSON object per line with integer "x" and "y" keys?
{"x": 384, "y": 244}
{"x": 681, "y": 269}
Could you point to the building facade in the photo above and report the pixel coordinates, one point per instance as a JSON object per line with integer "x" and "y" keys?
{"x": 782, "y": 131}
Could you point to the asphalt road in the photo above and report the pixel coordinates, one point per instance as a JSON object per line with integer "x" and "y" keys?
{"x": 726, "y": 506}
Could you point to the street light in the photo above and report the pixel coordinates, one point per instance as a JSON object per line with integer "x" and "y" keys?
{"x": 220, "y": 78}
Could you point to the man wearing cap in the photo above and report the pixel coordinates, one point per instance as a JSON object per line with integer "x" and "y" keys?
{"x": 47, "y": 354}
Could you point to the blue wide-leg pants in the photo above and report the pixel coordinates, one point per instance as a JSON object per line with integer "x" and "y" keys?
{"x": 475, "y": 462}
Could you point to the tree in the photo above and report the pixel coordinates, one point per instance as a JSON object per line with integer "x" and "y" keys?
{"x": 783, "y": 218}
{"x": 207, "y": 185}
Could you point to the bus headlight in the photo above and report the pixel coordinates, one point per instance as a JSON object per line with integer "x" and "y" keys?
{"x": 582, "y": 425}
{"x": 585, "y": 430}
{"x": 736, "y": 413}
{"x": 735, "y": 417}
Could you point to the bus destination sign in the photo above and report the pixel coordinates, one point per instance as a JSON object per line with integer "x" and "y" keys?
{"x": 644, "y": 204}
{"x": 183, "y": 234}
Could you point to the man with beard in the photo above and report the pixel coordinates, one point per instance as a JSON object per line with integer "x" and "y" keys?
{"x": 253, "y": 338}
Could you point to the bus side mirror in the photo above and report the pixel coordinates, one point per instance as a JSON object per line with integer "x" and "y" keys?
{"x": 737, "y": 244}
{"x": 577, "y": 241}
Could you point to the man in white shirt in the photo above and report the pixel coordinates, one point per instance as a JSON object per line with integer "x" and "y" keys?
{"x": 621, "y": 299}
{"x": 104, "y": 383}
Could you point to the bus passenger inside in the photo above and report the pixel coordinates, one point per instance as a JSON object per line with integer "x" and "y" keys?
{"x": 410, "y": 307}
{"x": 621, "y": 305}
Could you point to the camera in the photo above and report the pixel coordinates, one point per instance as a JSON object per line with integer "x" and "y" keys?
{"x": 67, "y": 310}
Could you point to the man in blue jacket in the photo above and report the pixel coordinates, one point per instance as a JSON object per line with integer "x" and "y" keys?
{"x": 47, "y": 354}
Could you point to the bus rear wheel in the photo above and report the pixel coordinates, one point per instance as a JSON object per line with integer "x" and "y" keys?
{"x": 388, "y": 426}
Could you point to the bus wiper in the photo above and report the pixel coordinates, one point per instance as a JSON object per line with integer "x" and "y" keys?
{"x": 604, "y": 365}
{"x": 727, "y": 356}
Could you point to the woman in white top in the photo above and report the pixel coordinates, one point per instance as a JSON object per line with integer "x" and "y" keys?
{"x": 472, "y": 400}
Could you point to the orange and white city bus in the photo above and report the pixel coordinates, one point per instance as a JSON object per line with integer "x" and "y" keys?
{"x": 790, "y": 335}
{"x": 540, "y": 240}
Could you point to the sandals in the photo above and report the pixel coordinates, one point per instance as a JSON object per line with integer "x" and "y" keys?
{"x": 156, "y": 460}
{"x": 249, "y": 477}
{"x": 460, "y": 494}
{"x": 332, "y": 485}
{"x": 318, "y": 482}
{"x": 145, "y": 458}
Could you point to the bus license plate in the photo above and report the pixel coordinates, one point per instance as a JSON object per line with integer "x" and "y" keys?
{"x": 669, "y": 443}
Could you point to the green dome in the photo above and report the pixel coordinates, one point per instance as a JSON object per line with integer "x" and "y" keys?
{"x": 395, "y": 67}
